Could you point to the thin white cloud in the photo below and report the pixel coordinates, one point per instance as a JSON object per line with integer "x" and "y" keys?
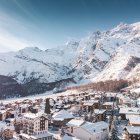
{"x": 9, "y": 30}
{"x": 23, "y": 8}
{"x": 10, "y": 43}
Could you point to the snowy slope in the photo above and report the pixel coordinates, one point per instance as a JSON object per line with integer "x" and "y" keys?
{"x": 112, "y": 54}
{"x": 32, "y": 63}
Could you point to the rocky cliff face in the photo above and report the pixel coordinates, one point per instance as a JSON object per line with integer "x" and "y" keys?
{"x": 112, "y": 54}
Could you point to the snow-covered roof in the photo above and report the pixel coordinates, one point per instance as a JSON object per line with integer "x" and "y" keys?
{"x": 4, "y": 125}
{"x": 138, "y": 100}
{"x": 25, "y": 135}
{"x": 66, "y": 137}
{"x": 134, "y": 119}
{"x": 61, "y": 115}
{"x": 99, "y": 111}
{"x": 19, "y": 119}
{"x": 129, "y": 110}
{"x": 108, "y": 103}
{"x": 110, "y": 94}
{"x": 95, "y": 127}
{"x": 88, "y": 103}
{"x": 136, "y": 90}
{"x": 10, "y": 119}
{"x": 75, "y": 122}
{"x": 38, "y": 136}
{"x": 2, "y": 107}
{"x": 129, "y": 101}
{"x": 97, "y": 96}
{"x": 2, "y": 111}
{"x": 32, "y": 115}
{"x": 74, "y": 109}
{"x": 24, "y": 105}
{"x": 133, "y": 129}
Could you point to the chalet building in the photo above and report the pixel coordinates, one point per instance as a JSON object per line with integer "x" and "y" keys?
{"x": 75, "y": 109}
{"x": 125, "y": 112}
{"x": 24, "y": 108}
{"x": 128, "y": 102}
{"x": 10, "y": 113}
{"x": 133, "y": 120}
{"x": 34, "y": 109}
{"x": 90, "y": 105}
{"x": 61, "y": 118}
{"x": 96, "y": 116}
{"x": 87, "y": 106}
{"x": 66, "y": 107}
{"x": 79, "y": 100}
{"x": 108, "y": 106}
{"x": 2, "y": 115}
{"x": 6, "y": 131}
{"x": 91, "y": 94}
{"x": 97, "y": 97}
{"x": 83, "y": 93}
{"x": 125, "y": 100}
{"x": 45, "y": 136}
{"x": 59, "y": 105}
{"x": 18, "y": 124}
{"x": 10, "y": 121}
{"x": 100, "y": 114}
{"x": 66, "y": 137}
{"x": 72, "y": 100}
{"x": 35, "y": 127}
{"x": 36, "y": 102}
{"x": 132, "y": 133}
{"x": 87, "y": 97}
{"x": 35, "y": 123}
{"x": 27, "y": 101}
{"x": 110, "y": 97}
{"x": 96, "y": 104}
{"x": 14, "y": 106}
{"x": 88, "y": 131}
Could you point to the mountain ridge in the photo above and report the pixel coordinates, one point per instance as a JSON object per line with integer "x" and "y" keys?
{"x": 112, "y": 54}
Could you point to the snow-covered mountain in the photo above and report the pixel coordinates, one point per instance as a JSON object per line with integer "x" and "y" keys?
{"x": 112, "y": 54}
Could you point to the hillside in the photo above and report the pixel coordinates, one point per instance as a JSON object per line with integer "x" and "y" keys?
{"x": 112, "y": 54}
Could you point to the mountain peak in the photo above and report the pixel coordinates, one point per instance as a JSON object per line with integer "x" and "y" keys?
{"x": 99, "y": 56}
{"x": 28, "y": 49}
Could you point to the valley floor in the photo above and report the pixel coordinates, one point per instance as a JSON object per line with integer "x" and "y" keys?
{"x": 48, "y": 94}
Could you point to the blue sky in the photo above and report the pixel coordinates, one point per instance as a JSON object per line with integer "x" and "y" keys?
{"x": 51, "y": 23}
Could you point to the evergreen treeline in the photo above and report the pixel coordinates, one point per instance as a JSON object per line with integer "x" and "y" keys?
{"x": 109, "y": 85}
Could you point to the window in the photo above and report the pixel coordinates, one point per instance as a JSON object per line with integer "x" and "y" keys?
{"x": 71, "y": 129}
{"x": 49, "y": 138}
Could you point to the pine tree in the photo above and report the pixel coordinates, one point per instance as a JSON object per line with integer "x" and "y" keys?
{"x": 114, "y": 131}
{"x": 110, "y": 121}
{"x": 47, "y": 106}
{"x": 114, "y": 134}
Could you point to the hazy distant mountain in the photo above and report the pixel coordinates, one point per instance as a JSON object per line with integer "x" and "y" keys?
{"x": 112, "y": 54}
